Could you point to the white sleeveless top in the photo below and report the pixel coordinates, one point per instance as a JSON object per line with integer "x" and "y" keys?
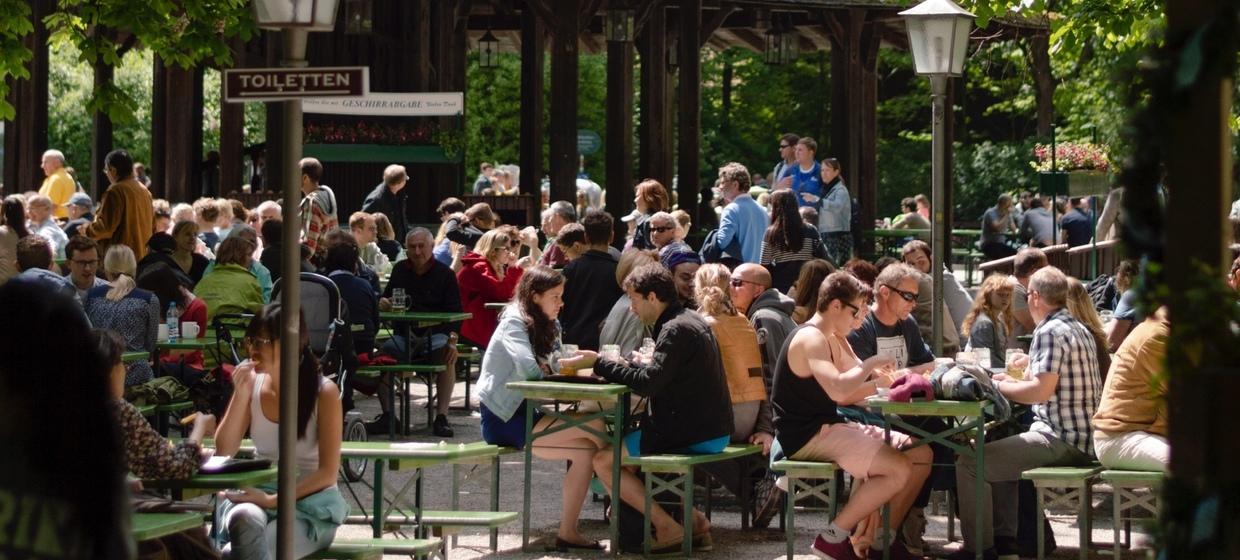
{"x": 266, "y": 434}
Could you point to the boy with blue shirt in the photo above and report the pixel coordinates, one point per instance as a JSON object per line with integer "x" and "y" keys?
{"x": 805, "y": 179}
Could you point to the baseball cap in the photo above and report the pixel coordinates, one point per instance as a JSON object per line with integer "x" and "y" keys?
{"x": 80, "y": 199}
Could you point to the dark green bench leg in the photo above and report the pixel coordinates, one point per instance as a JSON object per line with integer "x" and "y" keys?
{"x": 495, "y": 500}
{"x": 686, "y": 505}
{"x": 1116, "y": 512}
{"x": 1085, "y": 525}
{"x": 1041, "y": 520}
{"x": 377, "y": 520}
{"x": 391, "y": 389}
{"x": 790, "y": 513}
{"x": 430, "y": 399}
{"x": 645, "y": 511}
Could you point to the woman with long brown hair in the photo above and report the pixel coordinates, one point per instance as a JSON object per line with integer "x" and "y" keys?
{"x": 789, "y": 242}
{"x": 806, "y": 288}
{"x": 525, "y": 347}
{"x": 988, "y": 324}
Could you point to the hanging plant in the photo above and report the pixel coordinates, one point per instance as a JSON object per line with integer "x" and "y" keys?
{"x": 451, "y": 141}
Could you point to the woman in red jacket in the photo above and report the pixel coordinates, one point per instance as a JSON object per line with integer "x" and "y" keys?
{"x": 488, "y": 275}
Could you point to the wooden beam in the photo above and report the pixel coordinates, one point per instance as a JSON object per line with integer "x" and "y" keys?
{"x": 232, "y": 134}
{"x": 564, "y": 63}
{"x": 100, "y": 137}
{"x": 29, "y": 128}
{"x": 183, "y": 158}
{"x": 545, "y": 12}
{"x": 715, "y": 22}
{"x": 533, "y": 47}
{"x": 689, "y": 121}
{"x": 157, "y": 167}
{"x": 655, "y": 129}
{"x": 619, "y": 134}
{"x": 748, "y": 38}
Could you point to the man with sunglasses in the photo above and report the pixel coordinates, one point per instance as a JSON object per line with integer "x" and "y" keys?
{"x": 788, "y": 157}
{"x": 662, "y": 230}
{"x": 889, "y": 330}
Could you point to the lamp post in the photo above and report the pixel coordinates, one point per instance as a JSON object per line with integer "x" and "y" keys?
{"x": 296, "y": 18}
{"x": 938, "y": 35}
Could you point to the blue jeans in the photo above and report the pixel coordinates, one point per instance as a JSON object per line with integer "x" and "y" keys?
{"x": 251, "y": 536}
{"x": 398, "y": 345}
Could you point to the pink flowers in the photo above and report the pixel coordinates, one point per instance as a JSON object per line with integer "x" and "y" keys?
{"x": 1071, "y": 156}
{"x": 363, "y": 132}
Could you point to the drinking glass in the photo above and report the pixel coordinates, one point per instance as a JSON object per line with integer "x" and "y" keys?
{"x": 568, "y": 351}
{"x": 1013, "y": 370}
{"x": 610, "y": 352}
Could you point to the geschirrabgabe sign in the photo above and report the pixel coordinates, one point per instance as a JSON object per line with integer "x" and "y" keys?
{"x": 438, "y": 104}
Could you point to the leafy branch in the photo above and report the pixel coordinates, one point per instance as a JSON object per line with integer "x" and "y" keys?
{"x": 15, "y": 25}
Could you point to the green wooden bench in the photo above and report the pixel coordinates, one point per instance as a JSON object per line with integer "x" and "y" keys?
{"x": 402, "y": 374}
{"x": 807, "y": 479}
{"x": 1063, "y": 486}
{"x": 368, "y": 549}
{"x": 681, "y": 483}
{"x": 149, "y": 526}
{"x": 1123, "y": 485}
{"x": 443, "y": 523}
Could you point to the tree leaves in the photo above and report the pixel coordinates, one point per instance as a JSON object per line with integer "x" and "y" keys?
{"x": 15, "y": 24}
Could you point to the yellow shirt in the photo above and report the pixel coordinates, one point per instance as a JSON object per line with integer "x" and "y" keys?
{"x": 1134, "y": 396}
{"x": 59, "y": 186}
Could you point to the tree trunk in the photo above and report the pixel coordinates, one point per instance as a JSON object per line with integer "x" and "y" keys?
{"x": 1044, "y": 82}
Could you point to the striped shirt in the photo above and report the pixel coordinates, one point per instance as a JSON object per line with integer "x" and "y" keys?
{"x": 1062, "y": 345}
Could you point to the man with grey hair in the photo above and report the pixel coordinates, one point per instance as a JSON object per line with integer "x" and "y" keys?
{"x": 267, "y": 210}
{"x": 39, "y": 212}
{"x": 59, "y": 185}
{"x": 1062, "y": 382}
{"x": 389, "y": 198}
{"x": 743, "y": 223}
{"x": 555, "y": 217}
{"x": 663, "y": 232}
{"x": 429, "y": 285}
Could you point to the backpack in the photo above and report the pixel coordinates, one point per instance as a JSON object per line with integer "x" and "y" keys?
{"x": 1102, "y": 292}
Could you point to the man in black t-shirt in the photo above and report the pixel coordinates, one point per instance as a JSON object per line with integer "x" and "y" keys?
{"x": 590, "y": 288}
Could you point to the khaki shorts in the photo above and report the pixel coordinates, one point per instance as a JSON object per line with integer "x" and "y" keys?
{"x": 851, "y": 446}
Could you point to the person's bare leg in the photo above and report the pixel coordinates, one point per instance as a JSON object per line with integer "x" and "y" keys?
{"x": 578, "y": 447}
{"x": 385, "y": 404}
{"x": 633, "y": 493}
{"x": 446, "y": 381}
{"x": 889, "y": 474}
{"x": 920, "y": 459}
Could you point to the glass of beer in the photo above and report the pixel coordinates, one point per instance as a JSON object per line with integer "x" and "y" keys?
{"x": 568, "y": 351}
{"x": 610, "y": 352}
{"x": 1014, "y": 371}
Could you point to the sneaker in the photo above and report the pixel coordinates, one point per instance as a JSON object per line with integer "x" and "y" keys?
{"x": 833, "y": 551}
{"x": 898, "y": 552}
{"x": 766, "y": 496}
{"x": 379, "y": 426}
{"x": 441, "y": 427}
{"x": 1006, "y": 546}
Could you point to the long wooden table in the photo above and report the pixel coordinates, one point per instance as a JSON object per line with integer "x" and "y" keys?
{"x": 149, "y": 526}
{"x": 425, "y": 320}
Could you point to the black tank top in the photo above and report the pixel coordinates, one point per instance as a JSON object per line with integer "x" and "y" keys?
{"x": 801, "y": 405}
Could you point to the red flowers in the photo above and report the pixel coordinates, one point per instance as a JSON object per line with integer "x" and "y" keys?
{"x": 363, "y": 132}
{"x": 1070, "y": 156}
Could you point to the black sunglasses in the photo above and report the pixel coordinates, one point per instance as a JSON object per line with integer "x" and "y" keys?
{"x": 785, "y": 146}
{"x": 855, "y": 310}
{"x": 661, "y": 229}
{"x": 907, "y": 296}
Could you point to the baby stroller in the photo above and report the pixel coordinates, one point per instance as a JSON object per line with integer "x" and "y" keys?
{"x": 331, "y": 341}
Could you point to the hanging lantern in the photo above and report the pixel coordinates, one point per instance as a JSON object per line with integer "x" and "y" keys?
{"x": 310, "y": 15}
{"x": 488, "y": 51}
{"x": 774, "y": 52}
{"x": 619, "y": 25}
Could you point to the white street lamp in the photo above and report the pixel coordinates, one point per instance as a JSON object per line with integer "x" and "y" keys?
{"x": 938, "y": 35}
{"x": 308, "y": 15}
{"x": 296, "y": 18}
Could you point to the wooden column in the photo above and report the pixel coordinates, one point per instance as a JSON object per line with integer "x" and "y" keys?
{"x": 156, "y": 169}
{"x": 101, "y": 138}
{"x": 619, "y": 140}
{"x": 232, "y": 132}
{"x": 1205, "y": 450}
{"x": 689, "y": 119}
{"x": 274, "y": 170}
{"x": 562, "y": 156}
{"x": 655, "y": 131}
{"x": 25, "y": 138}
{"x": 853, "y": 34}
{"x": 838, "y": 140}
{"x": 533, "y": 48}
{"x": 183, "y": 141}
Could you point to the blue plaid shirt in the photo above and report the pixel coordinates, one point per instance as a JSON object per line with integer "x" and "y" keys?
{"x": 1062, "y": 345}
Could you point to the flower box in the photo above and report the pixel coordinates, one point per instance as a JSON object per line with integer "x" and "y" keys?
{"x": 378, "y": 153}
{"x": 1075, "y": 183}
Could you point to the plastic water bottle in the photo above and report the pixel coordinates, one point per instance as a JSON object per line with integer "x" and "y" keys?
{"x": 173, "y": 322}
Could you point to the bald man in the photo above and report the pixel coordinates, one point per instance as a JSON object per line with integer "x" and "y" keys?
{"x": 768, "y": 311}
{"x": 58, "y": 186}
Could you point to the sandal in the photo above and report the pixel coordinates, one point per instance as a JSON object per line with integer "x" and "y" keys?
{"x": 562, "y": 545}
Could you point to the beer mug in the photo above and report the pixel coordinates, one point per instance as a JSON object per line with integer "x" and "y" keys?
{"x": 1013, "y": 371}
{"x": 568, "y": 351}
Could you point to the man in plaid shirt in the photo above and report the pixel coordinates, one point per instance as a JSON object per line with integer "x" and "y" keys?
{"x": 1063, "y": 384}
{"x": 318, "y": 209}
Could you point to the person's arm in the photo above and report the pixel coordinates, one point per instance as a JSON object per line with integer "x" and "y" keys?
{"x": 667, "y": 360}
{"x": 982, "y": 337}
{"x": 493, "y": 289}
{"x": 920, "y": 358}
{"x": 150, "y": 456}
{"x": 458, "y": 230}
{"x": 841, "y": 386}
{"x": 727, "y": 226}
{"x": 1117, "y": 331}
{"x": 1034, "y": 390}
{"x": 515, "y": 341}
{"x": 106, "y": 220}
{"x": 236, "y": 419}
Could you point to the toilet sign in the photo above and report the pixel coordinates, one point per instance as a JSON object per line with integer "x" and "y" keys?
{"x": 281, "y": 84}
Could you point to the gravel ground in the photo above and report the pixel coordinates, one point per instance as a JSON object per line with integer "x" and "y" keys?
{"x": 730, "y": 541}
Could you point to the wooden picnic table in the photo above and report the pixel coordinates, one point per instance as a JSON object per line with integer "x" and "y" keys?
{"x": 424, "y": 318}
{"x": 202, "y": 481}
{"x": 963, "y": 417}
{"x": 415, "y": 455}
{"x": 497, "y": 306}
{"x": 150, "y": 526}
{"x": 555, "y": 392}
{"x": 138, "y": 356}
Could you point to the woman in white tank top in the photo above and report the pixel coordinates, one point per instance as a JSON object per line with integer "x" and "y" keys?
{"x": 248, "y": 515}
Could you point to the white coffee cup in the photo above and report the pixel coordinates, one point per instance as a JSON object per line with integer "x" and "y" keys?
{"x": 162, "y": 333}
{"x": 189, "y": 329}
